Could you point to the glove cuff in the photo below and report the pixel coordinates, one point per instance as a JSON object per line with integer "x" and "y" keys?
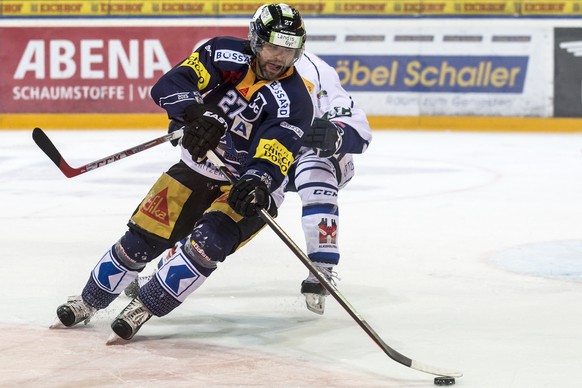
{"x": 258, "y": 176}
{"x": 340, "y": 134}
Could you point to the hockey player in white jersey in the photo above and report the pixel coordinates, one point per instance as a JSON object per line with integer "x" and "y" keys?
{"x": 324, "y": 166}
{"x": 339, "y": 130}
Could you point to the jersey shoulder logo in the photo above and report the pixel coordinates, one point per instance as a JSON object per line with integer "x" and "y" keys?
{"x": 281, "y": 98}
{"x": 193, "y": 61}
{"x": 230, "y": 56}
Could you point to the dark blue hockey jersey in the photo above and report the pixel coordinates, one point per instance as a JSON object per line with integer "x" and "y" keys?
{"x": 267, "y": 118}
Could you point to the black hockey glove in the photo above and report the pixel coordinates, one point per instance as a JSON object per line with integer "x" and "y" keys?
{"x": 205, "y": 125}
{"x": 324, "y": 136}
{"x": 173, "y": 127}
{"x": 248, "y": 195}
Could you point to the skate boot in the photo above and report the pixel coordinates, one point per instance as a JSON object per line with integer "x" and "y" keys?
{"x": 73, "y": 312}
{"x": 314, "y": 292}
{"x": 129, "y": 321}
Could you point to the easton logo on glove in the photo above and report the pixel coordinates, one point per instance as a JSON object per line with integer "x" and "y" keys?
{"x": 216, "y": 117}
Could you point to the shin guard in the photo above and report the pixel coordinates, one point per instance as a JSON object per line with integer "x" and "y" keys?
{"x": 108, "y": 279}
{"x": 180, "y": 276}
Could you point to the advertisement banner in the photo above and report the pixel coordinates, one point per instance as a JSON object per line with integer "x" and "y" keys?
{"x": 107, "y": 8}
{"x": 343, "y": 8}
{"x": 456, "y": 69}
{"x": 568, "y": 72}
{"x": 401, "y": 69}
{"x": 91, "y": 69}
{"x": 149, "y": 8}
{"x": 487, "y": 7}
{"x": 551, "y": 7}
{"x": 431, "y": 73}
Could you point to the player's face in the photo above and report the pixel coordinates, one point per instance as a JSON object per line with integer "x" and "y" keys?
{"x": 273, "y": 60}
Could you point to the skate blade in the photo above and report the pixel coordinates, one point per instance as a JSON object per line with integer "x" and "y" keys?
{"x": 315, "y": 303}
{"x": 57, "y": 324}
{"x": 114, "y": 339}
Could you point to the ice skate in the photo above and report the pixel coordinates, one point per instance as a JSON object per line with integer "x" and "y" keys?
{"x": 314, "y": 292}
{"x": 73, "y": 312}
{"x": 129, "y": 321}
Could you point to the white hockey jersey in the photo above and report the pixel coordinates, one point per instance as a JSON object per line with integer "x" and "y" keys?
{"x": 331, "y": 101}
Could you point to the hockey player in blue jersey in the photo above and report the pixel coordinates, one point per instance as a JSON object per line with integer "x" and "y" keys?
{"x": 245, "y": 100}
{"x": 324, "y": 166}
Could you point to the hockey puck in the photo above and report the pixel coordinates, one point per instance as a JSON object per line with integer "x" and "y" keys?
{"x": 444, "y": 380}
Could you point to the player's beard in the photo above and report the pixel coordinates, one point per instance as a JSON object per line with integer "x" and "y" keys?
{"x": 269, "y": 70}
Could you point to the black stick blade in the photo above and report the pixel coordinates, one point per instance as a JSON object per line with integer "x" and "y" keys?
{"x": 45, "y": 144}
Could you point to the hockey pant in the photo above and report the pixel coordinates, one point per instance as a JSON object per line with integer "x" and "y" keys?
{"x": 317, "y": 181}
{"x": 181, "y": 203}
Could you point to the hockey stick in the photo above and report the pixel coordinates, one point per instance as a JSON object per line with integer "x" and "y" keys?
{"x": 393, "y": 354}
{"x": 45, "y": 144}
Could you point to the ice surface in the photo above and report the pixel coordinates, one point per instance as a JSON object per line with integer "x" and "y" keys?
{"x": 462, "y": 250}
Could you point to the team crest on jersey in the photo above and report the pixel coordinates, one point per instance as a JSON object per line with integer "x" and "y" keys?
{"x": 281, "y": 98}
{"x": 337, "y": 111}
{"x": 193, "y": 61}
{"x": 276, "y": 153}
{"x": 255, "y": 108}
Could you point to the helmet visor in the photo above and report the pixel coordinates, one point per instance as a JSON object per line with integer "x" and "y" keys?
{"x": 284, "y": 48}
